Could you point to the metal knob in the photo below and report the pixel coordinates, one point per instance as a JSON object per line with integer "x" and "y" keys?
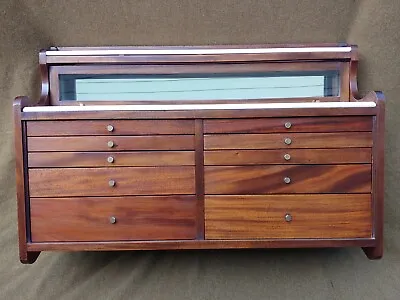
{"x": 110, "y": 128}
{"x": 110, "y": 159}
{"x": 288, "y": 141}
{"x": 287, "y": 156}
{"x": 288, "y": 218}
{"x": 286, "y": 180}
{"x": 288, "y": 125}
{"x": 110, "y": 144}
{"x": 111, "y": 183}
{"x": 113, "y": 220}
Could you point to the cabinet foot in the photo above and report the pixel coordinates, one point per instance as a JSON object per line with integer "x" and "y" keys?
{"x": 373, "y": 252}
{"x": 29, "y": 257}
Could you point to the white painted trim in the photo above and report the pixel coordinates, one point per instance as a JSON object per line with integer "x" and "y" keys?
{"x": 188, "y": 51}
{"x": 180, "y": 107}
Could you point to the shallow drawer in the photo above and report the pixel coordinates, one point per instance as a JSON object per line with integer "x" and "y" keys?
{"x": 288, "y": 156}
{"x": 282, "y": 179}
{"x": 115, "y": 143}
{"x": 304, "y": 124}
{"x": 112, "y": 219}
{"x": 111, "y": 181}
{"x": 109, "y": 127}
{"x": 289, "y": 140}
{"x": 110, "y": 159}
{"x": 288, "y": 216}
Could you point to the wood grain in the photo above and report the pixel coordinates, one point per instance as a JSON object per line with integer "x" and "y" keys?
{"x": 298, "y": 140}
{"x": 276, "y": 125}
{"x": 296, "y": 156}
{"x": 95, "y": 181}
{"x": 313, "y": 216}
{"x": 121, "y": 143}
{"x": 120, "y": 159}
{"x": 137, "y": 218}
{"x": 303, "y": 179}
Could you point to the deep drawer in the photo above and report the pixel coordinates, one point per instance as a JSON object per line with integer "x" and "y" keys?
{"x": 283, "y": 179}
{"x": 109, "y": 127}
{"x": 111, "y": 181}
{"x": 288, "y": 216}
{"x": 113, "y": 219}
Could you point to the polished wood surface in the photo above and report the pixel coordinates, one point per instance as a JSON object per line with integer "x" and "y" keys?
{"x": 111, "y": 159}
{"x": 297, "y": 140}
{"x": 119, "y": 143}
{"x": 136, "y": 218}
{"x": 277, "y": 125}
{"x": 66, "y": 182}
{"x": 287, "y": 156}
{"x": 119, "y": 127}
{"x": 312, "y": 216}
{"x": 303, "y": 179}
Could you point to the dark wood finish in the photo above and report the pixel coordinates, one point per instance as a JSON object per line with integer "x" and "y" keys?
{"x": 119, "y": 159}
{"x": 45, "y": 84}
{"x": 298, "y": 140}
{"x": 120, "y": 127}
{"x": 199, "y": 169}
{"x": 303, "y": 179}
{"x": 297, "y": 156}
{"x": 70, "y": 182}
{"x": 313, "y": 216}
{"x": 277, "y": 125}
{"x": 120, "y": 143}
{"x": 137, "y": 218}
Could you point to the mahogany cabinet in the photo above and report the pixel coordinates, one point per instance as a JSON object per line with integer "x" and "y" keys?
{"x": 140, "y": 148}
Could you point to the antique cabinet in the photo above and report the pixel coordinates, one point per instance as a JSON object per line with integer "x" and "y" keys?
{"x": 140, "y": 148}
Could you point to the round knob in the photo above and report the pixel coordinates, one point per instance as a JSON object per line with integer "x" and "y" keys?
{"x": 288, "y": 218}
{"x": 288, "y": 141}
{"x": 110, "y": 159}
{"x": 286, "y": 156}
{"x": 110, "y": 144}
{"x": 288, "y": 125}
{"x": 113, "y": 220}
{"x": 286, "y": 180}
{"x": 111, "y": 183}
{"x": 110, "y": 128}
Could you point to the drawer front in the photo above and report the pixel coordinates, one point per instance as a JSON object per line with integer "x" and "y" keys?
{"x": 110, "y": 159}
{"x": 289, "y": 156}
{"x": 289, "y": 140}
{"x": 109, "y": 127}
{"x": 303, "y": 124}
{"x": 288, "y": 216}
{"x": 112, "y": 219}
{"x": 281, "y": 179}
{"x": 111, "y": 181}
{"x": 115, "y": 143}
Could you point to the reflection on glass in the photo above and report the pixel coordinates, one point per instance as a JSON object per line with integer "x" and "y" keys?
{"x": 176, "y": 87}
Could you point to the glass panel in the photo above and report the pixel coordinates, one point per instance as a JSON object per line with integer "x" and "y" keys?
{"x": 178, "y": 87}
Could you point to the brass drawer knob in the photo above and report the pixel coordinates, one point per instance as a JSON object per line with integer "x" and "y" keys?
{"x": 287, "y": 156}
{"x": 110, "y": 159}
{"x": 110, "y": 128}
{"x": 111, "y": 183}
{"x": 288, "y": 141}
{"x": 113, "y": 220}
{"x": 288, "y": 218}
{"x": 288, "y": 125}
{"x": 110, "y": 144}
{"x": 286, "y": 180}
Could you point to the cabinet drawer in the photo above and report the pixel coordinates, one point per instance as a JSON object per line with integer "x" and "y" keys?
{"x": 288, "y": 216}
{"x": 112, "y": 219}
{"x": 109, "y": 127}
{"x": 115, "y": 143}
{"x": 302, "y": 124}
{"x": 110, "y": 159}
{"x": 282, "y": 179}
{"x": 111, "y": 181}
{"x": 289, "y": 140}
{"x": 288, "y": 156}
